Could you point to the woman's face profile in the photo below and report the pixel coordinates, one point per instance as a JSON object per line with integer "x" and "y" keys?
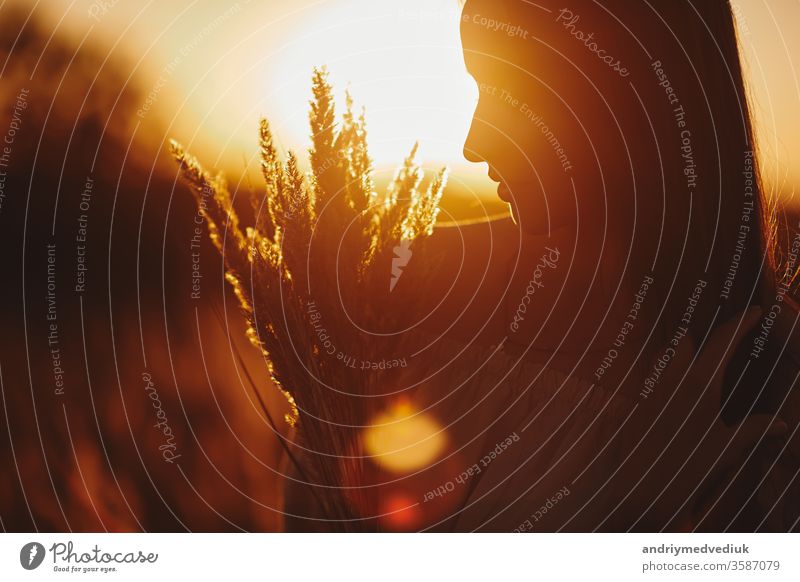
{"x": 536, "y": 123}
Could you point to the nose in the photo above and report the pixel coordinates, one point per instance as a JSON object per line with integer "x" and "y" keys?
{"x": 472, "y": 144}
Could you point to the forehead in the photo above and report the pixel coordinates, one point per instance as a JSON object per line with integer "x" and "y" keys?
{"x": 493, "y": 34}
{"x": 481, "y": 20}
{"x": 504, "y": 37}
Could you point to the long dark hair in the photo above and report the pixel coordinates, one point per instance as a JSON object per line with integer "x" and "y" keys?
{"x": 736, "y": 218}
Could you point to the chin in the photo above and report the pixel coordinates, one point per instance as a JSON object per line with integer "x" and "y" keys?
{"x": 530, "y": 218}
{"x": 536, "y": 218}
{"x": 531, "y": 221}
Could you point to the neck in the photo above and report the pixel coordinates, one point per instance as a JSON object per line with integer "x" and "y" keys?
{"x": 578, "y": 306}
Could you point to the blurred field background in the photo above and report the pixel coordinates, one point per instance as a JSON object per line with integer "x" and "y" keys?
{"x": 109, "y": 82}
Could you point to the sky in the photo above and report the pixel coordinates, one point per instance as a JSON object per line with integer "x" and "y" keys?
{"x": 211, "y": 69}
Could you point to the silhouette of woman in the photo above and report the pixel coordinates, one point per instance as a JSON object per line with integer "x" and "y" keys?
{"x": 631, "y": 336}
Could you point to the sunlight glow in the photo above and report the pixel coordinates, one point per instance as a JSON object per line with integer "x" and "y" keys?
{"x": 402, "y": 60}
{"x": 218, "y": 67}
{"x": 402, "y": 440}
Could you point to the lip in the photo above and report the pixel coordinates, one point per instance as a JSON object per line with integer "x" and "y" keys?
{"x": 502, "y": 190}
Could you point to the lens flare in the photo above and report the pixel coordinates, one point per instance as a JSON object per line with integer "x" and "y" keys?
{"x": 402, "y": 440}
{"x": 402, "y": 513}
